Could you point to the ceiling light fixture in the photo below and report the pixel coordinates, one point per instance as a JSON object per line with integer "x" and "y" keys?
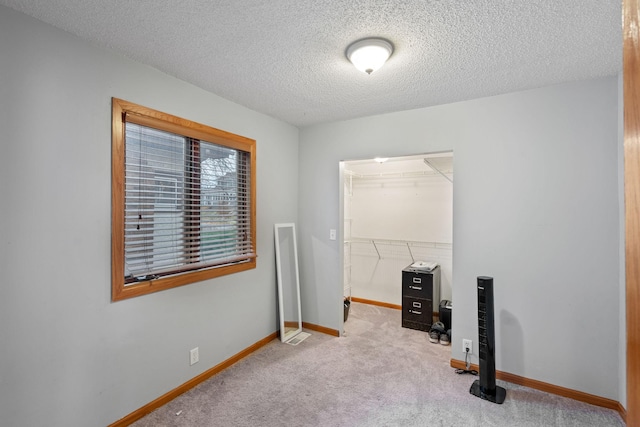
{"x": 367, "y": 55}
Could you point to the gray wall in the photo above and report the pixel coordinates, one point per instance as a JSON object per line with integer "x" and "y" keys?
{"x": 622, "y": 320}
{"x": 68, "y": 356}
{"x": 535, "y": 205}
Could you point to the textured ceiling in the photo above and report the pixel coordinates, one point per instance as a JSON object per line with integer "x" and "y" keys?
{"x": 286, "y": 58}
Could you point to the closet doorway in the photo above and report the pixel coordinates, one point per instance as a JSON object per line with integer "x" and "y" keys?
{"x": 396, "y": 211}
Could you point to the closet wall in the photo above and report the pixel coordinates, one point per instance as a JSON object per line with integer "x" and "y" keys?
{"x": 395, "y": 213}
{"x": 535, "y": 195}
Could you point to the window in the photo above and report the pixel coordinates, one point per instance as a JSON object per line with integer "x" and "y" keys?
{"x": 183, "y": 201}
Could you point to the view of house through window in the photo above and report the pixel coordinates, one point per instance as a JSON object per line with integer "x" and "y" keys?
{"x": 186, "y": 207}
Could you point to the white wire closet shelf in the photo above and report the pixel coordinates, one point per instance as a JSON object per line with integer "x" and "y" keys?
{"x": 388, "y": 248}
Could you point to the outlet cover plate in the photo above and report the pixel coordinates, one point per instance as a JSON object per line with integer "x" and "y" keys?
{"x": 194, "y": 356}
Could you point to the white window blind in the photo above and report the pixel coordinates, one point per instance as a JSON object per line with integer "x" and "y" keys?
{"x": 187, "y": 204}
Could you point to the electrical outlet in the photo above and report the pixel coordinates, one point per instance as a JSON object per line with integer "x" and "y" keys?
{"x": 467, "y": 344}
{"x": 194, "y": 356}
{"x": 332, "y": 234}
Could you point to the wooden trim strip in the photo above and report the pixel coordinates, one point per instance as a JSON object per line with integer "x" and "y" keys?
{"x": 622, "y": 412}
{"x": 318, "y": 328}
{"x": 149, "y": 117}
{"x": 169, "y": 396}
{"x": 550, "y": 388}
{"x": 631, "y": 84}
{"x": 378, "y": 303}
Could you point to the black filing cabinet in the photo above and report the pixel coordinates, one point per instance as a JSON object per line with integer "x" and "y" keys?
{"x": 420, "y": 296}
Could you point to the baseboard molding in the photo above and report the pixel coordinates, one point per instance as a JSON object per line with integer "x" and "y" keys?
{"x": 167, "y": 397}
{"x": 622, "y": 411}
{"x": 318, "y": 328}
{"x": 550, "y": 388}
{"x": 378, "y": 303}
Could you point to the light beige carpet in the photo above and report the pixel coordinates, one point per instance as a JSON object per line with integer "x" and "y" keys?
{"x": 379, "y": 374}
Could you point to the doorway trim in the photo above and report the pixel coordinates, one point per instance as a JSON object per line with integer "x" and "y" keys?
{"x": 631, "y": 94}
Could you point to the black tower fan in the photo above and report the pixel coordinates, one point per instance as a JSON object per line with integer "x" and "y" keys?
{"x": 485, "y": 388}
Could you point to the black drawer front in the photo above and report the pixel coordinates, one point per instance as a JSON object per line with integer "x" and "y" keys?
{"x": 417, "y": 310}
{"x": 416, "y": 325}
{"x": 417, "y": 285}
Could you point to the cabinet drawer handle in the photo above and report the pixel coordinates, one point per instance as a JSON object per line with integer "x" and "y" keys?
{"x": 417, "y": 280}
{"x": 417, "y": 304}
{"x": 415, "y": 312}
{"x": 418, "y": 288}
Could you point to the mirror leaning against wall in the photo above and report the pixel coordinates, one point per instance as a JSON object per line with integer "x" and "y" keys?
{"x": 288, "y": 283}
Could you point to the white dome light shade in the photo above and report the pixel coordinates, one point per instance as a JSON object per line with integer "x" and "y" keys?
{"x": 369, "y": 54}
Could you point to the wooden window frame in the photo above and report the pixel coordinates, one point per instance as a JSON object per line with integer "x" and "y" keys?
{"x": 124, "y": 111}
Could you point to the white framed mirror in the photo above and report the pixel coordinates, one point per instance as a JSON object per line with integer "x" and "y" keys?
{"x": 288, "y": 281}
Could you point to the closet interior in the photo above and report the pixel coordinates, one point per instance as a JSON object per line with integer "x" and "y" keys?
{"x": 396, "y": 211}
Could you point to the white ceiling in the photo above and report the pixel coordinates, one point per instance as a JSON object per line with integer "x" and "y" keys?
{"x": 286, "y": 58}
